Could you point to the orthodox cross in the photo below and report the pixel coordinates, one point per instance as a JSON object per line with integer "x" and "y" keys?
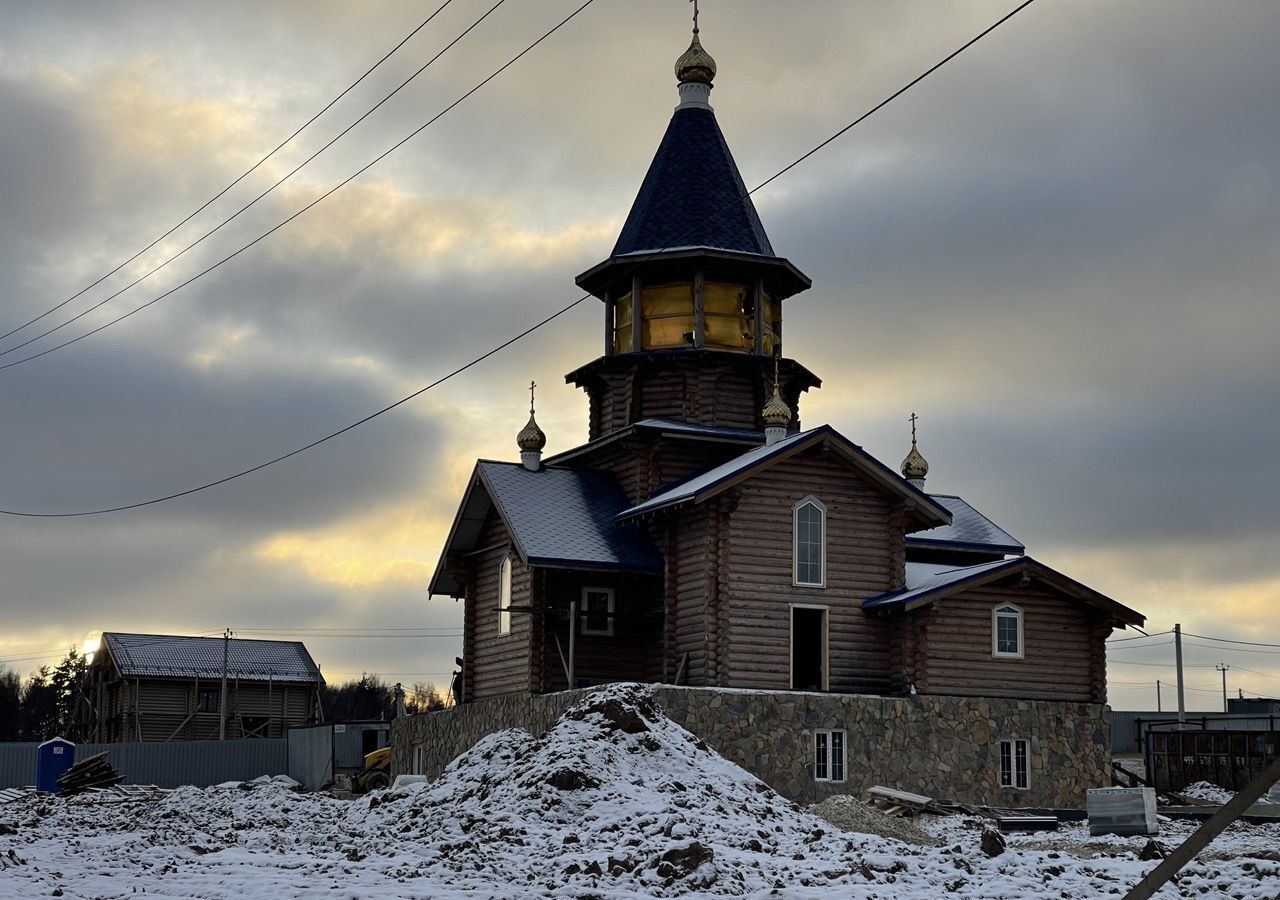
{"x": 695, "y": 16}
{"x": 532, "y": 385}
{"x": 912, "y": 419}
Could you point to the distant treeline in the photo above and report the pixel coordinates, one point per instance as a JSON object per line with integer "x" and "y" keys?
{"x": 45, "y": 704}
{"x": 369, "y": 697}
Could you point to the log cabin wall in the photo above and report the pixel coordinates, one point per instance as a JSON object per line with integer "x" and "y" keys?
{"x": 708, "y": 388}
{"x": 1063, "y": 646}
{"x": 862, "y": 559}
{"x": 632, "y": 653}
{"x": 645, "y": 461}
{"x": 688, "y": 550}
{"x": 496, "y": 664}
{"x": 167, "y": 709}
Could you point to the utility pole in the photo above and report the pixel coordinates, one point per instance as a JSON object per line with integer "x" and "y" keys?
{"x": 222, "y": 704}
{"x": 1158, "y": 709}
{"x": 1177, "y": 649}
{"x": 1223, "y": 668}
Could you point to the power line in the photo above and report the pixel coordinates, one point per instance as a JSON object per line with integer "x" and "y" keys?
{"x": 1219, "y": 649}
{"x": 238, "y": 178}
{"x": 1141, "y": 637}
{"x": 242, "y": 209}
{"x": 1205, "y": 637}
{"x": 510, "y": 341}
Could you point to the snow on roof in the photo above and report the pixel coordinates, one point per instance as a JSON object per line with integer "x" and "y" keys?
{"x": 924, "y": 579}
{"x": 688, "y": 489}
{"x": 679, "y": 426}
{"x": 178, "y": 656}
{"x": 693, "y": 488}
{"x": 566, "y": 517}
{"x": 926, "y": 582}
{"x": 969, "y": 530}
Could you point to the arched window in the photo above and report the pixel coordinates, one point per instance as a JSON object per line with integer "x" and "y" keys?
{"x": 1006, "y": 631}
{"x": 810, "y": 530}
{"x": 504, "y": 596}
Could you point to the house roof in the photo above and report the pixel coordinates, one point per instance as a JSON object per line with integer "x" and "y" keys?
{"x": 177, "y": 656}
{"x": 557, "y": 518}
{"x": 927, "y": 583}
{"x": 969, "y": 530}
{"x": 709, "y": 483}
{"x": 665, "y": 426}
{"x": 693, "y": 196}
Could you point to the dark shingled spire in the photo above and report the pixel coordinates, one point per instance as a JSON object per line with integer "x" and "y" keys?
{"x": 693, "y": 195}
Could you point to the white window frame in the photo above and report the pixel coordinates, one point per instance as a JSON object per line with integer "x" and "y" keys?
{"x": 1007, "y": 609}
{"x": 795, "y": 542}
{"x": 830, "y": 764}
{"x": 1011, "y": 783}
{"x": 606, "y": 632}
{"x": 504, "y": 596}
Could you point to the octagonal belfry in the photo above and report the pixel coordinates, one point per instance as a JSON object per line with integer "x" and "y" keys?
{"x": 693, "y": 292}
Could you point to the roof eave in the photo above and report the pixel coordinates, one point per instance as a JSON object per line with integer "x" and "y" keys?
{"x": 788, "y": 279}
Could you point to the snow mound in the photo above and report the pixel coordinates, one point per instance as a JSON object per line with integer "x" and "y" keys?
{"x": 1204, "y": 790}
{"x": 616, "y": 794}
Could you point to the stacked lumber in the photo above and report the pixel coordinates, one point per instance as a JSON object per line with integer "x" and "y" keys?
{"x": 94, "y": 772}
{"x": 901, "y": 803}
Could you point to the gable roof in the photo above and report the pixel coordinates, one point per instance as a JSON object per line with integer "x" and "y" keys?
{"x": 178, "y": 656}
{"x": 557, "y": 518}
{"x": 702, "y": 487}
{"x": 969, "y": 530}
{"x": 928, "y": 583}
{"x": 693, "y": 194}
{"x": 668, "y": 427}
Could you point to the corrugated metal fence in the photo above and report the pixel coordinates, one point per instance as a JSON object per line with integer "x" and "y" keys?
{"x": 173, "y": 764}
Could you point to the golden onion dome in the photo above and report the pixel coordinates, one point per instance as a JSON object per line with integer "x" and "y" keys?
{"x": 531, "y": 436}
{"x": 914, "y": 466}
{"x": 695, "y": 64}
{"x": 776, "y": 413}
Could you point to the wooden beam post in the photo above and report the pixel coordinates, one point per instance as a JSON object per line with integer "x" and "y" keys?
{"x": 1201, "y": 837}
{"x": 637, "y": 320}
{"x": 758, "y": 292}
{"x": 699, "y": 313}
{"x": 609, "y": 313}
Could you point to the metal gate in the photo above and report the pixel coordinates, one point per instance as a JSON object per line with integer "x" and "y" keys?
{"x": 1229, "y": 759}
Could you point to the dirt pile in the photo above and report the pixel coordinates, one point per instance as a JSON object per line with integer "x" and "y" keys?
{"x": 616, "y": 795}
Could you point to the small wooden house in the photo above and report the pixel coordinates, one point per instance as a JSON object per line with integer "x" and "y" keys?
{"x": 152, "y": 687}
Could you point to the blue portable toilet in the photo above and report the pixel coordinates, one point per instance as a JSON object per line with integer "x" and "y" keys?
{"x": 53, "y": 758}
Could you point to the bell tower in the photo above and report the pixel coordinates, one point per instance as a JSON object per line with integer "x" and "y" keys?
{"x": 692, "y": 293}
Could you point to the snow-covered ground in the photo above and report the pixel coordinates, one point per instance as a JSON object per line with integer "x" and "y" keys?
{"x": 616, "y": 801}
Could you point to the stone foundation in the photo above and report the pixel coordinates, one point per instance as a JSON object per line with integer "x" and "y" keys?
{"x": 944, "y": 747}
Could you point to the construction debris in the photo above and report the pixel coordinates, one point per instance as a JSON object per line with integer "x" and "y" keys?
{"x": 94, "y": 772}
{"x": 1027, "y": 823}
{"x": 900, "y": 803}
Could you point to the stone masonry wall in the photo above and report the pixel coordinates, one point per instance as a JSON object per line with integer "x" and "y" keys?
{"x": 944, "y": 747}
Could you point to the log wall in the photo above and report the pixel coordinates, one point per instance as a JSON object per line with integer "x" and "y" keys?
{"x": 1063, "y": 646}
{"x": 632, "y": 653}
{"x": 496, "y": 664}
{"x": 863, "y": 558}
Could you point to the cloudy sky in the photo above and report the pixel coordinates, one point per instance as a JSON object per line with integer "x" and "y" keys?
{"x": 1062, "y": 251}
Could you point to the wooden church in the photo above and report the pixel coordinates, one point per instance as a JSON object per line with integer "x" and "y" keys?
{"x": 701, "y": 536}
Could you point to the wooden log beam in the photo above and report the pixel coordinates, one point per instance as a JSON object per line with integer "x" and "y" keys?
{"x": 1201, "y": 837}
